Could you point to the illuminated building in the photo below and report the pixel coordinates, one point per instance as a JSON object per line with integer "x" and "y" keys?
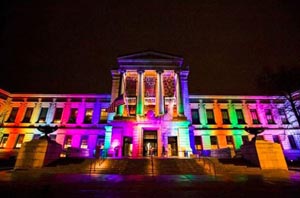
{"x": 158, "y": 114}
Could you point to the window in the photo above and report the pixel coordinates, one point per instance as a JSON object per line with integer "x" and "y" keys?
{"x": 269, "y": 116}
{"x": 73, "y": 116}
{"x": 198, "y": 142}
{"x": 103, "y": 116}
{"x": 19, "y": 141}
{"x": 57, "y": 115}
{"x": 100, "y": 140}
{"x": 276, "y": 139}
{"x": 36, "y": 136}
{"x": 131, "y": 109}
{"x": 68, "y": 141}
{"x": 88, "y": 116}
{"x": 3, "y": 140}
{"x": 84, "y": 142}
{"x": 292, "y": 142}
{"x": 43, "y": 114}
{"x": 254, "y": 116}
{"x": 195, "y": 116}
{"x": 240, "y": 116}
{"x": 213, "y": 140}
{"x": 283, "y": 116}
{"x": 229, "y": 140}
{"x": 13, "y": 114}
{"x": 28, "y": 114}
{"x": 210, "y": 116}
{"x": 225, "y": 116}
{"x": 245, "y": 138}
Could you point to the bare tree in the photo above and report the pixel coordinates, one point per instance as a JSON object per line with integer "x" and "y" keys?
{"x": 284, "y": 81}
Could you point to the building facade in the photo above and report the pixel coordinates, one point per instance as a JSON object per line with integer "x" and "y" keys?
{"x": 159, "y": 117}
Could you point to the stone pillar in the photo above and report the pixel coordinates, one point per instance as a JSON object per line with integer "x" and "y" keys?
{"x": 81, "y": 112}
{"x": 21, "y": 111}
{"x": 36, "y": 111}
{"x": 159, "y": 94}
{"x": 246, "y": 113}
{"x": 66, "y": 112}
{"x": 96, "y": 112}
{"x": 140, "y": 95}
{"x": 202, "y": 113}
{"x": 217, "y": 113}
{"x": 261, "y": 113}
{"x": 120, "y": 109}
{"x": 51, "y": 111}
{"x": 180, "y": 109}
{"x": 232, "y": 114}
{"x": 185, "y": 93}
{"x": 238, "y": 141}
{"x": 107, "y": 141}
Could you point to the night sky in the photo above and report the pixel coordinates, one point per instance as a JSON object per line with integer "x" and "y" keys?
{"x": 69, "y": 46}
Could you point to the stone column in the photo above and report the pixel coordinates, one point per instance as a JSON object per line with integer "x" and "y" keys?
{"x": 202, "y": 113}
{"x": 66, "y": 112}
{"x": 232, "y": 113}
{"x": 51, "y": 111}
{"x": 120, "y": 109}
{"x": 96, "y": 112}
{"x": 261, "y": 113}
{"x": 21, "y": 112}
{"x": 159, "y": 94}
{"x": 140, "y": 95}
{"x": 36, "y": 111}
{"x": 246, "y": 113}
{"x": 81, "y": 112}
{"x": 217, "y": 113}
{"x": 180, "y": 109}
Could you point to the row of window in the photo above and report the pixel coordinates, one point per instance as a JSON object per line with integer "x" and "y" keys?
{"x": 57, "y": 115}
{"x": 245, "y": 138}
{"x": 239, "y": 115}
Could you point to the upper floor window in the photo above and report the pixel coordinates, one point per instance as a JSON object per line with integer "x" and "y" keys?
{"x": 57, "y": 115}
{"x": 210, "y": 116}
{"x": 27, "y": 115}
{"x": 13, "y": 114}
{"x": 73, "y": 115}
{"x": 269, "y": 116}
{"x": 254, "y": 116}
{"x": 195, "y": 116}
{"x": 43, "y": 114}
{"x": 84, "y": 142}
{"x": 88, "y": 116}
{"x": 283, "y": 116}
{"x": 19, "y": 141}
{"x": 225, "y": 116}
{"x": 103, "y": 116}
{"x": 100, "y": 140}
{"x": 3, "y": 140}
{"x": 240, "y": 116}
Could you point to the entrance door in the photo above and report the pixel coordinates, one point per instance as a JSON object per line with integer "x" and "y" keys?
{"x": 172, "y": 146}
{"x": 127, "y": 147}
{"x": 150, "y": 143}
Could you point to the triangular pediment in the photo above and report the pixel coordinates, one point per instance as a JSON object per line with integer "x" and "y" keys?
{"x": 149, "y": 59}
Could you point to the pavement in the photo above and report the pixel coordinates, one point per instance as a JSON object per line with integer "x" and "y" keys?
{"x": 48, "y": 182}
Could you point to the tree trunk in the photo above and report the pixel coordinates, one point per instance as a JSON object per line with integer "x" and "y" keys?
{"x": 293, "y": 105}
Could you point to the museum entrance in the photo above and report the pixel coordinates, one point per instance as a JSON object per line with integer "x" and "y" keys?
{"x": 127, "y": 147}
{"x": 150, "y": 143}
{"x": 172, "y": 146}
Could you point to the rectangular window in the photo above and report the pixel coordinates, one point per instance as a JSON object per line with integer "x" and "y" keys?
{"x": 198, "y": 142}
{"x": 19, "y": 141}
{"x": 103, "y": 116}
{"x": 36, "y": 136}
{"x": 13, "y": 114}
{"x": 27, "y": 115}
{"x": 43, "y": 114}
{"x": 292, "y": 142}
{"x": 68, "y": 141}
{"x": 269, "y": 116}
{"x": 245, "y": 138}
{"x": 225, "y": 116}
{"x": 195, "y": 116}
{"x": 210, "y": 116}
{"x": 3, "y": 140}
{"x": 57, "y": 115}
{"x": 229, "y": 140}
{"x": 254, "y": 116}
{"x": 213, "y": 140}
{"x": 240, "y": 116}
{"x": 132, "y": 110}
{"x": 283, "y": 116}
{"x": 100, "y": 140}
{"x": 276, "y": 139}
{"x": 88, "y": 116}
{"x": 84, "y": 142}
{"x": 73, "y": 116}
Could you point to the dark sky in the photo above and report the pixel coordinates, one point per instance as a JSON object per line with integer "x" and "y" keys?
{"x": 69, "y": 46}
